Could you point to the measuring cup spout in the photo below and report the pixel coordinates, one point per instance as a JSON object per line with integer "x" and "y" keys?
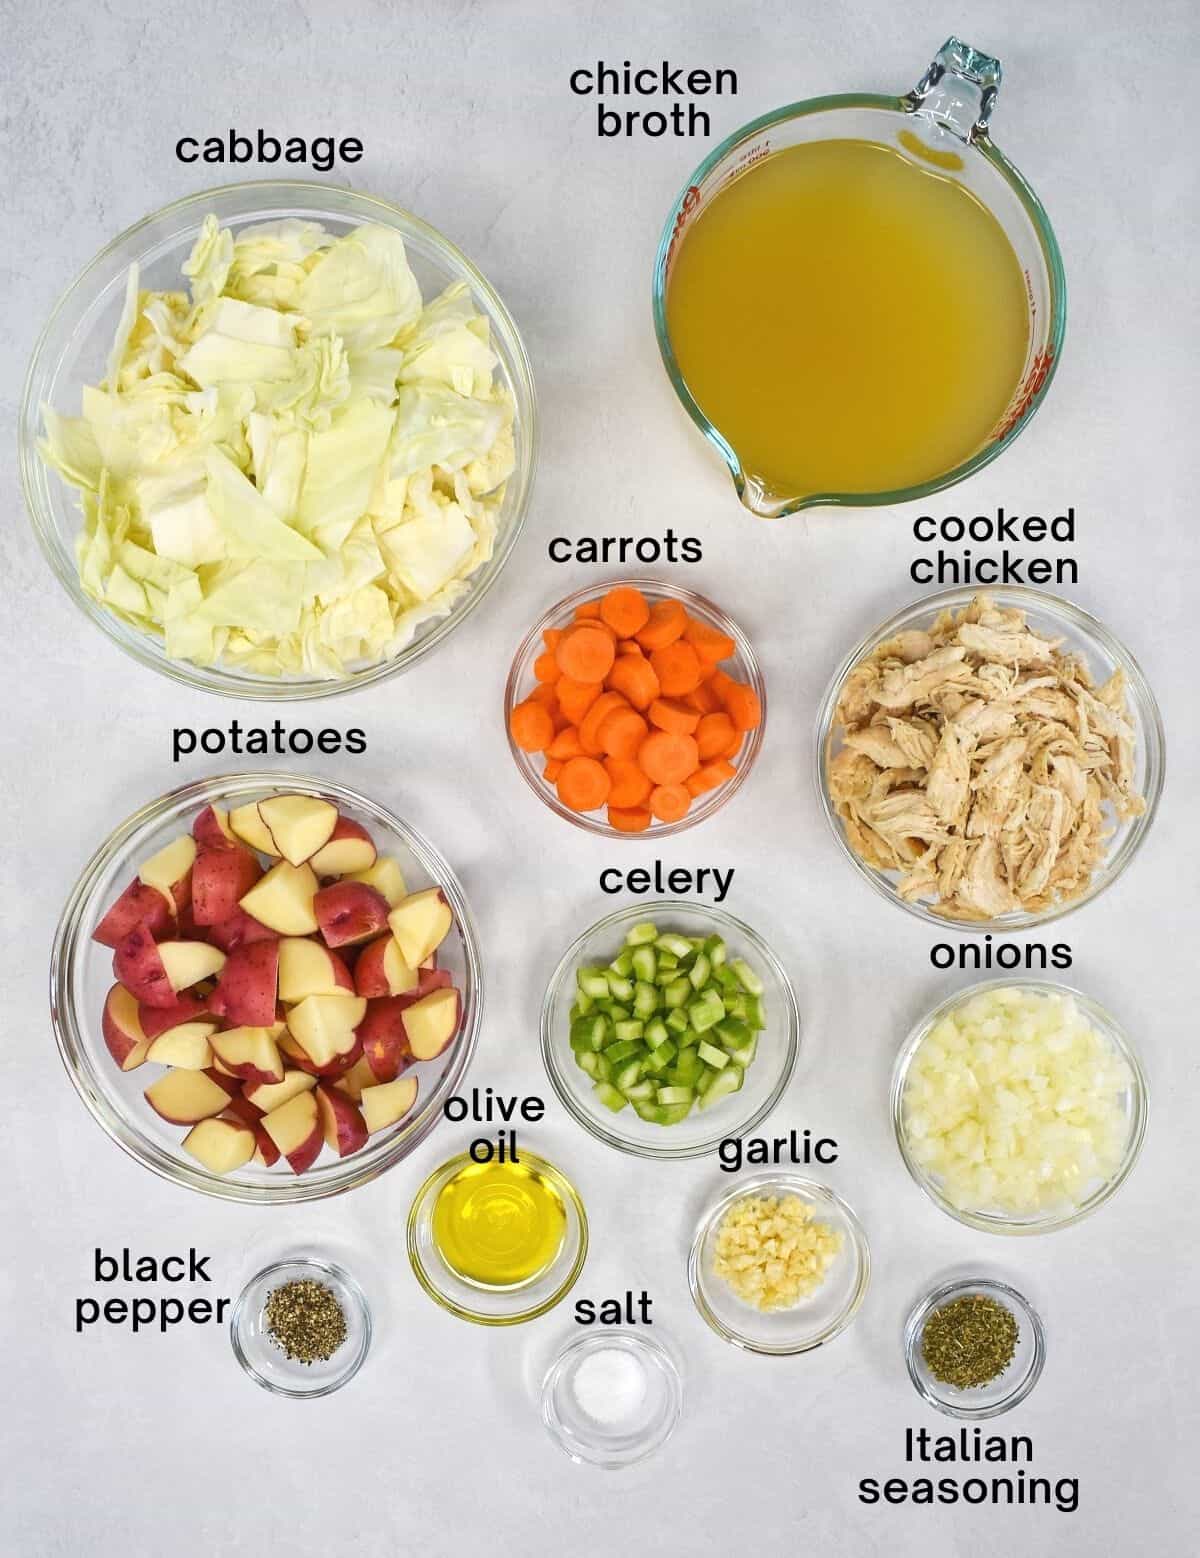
{"x": 762, "y": 500}
{"x": 958, "y": 91}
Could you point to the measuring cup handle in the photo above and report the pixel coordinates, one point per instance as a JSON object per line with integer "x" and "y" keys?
{"x": 958, "y": 91}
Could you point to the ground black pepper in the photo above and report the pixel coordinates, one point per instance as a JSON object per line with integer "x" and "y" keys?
{"x": 305, "y": 1319}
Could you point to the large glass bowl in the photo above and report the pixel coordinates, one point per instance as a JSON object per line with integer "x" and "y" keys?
{"x": 81, "y": 974}
{"x": 1103, "y": 653}
{"x": 1135, "y": 1103}
{"x": 742, "y": 665}
{"x": 73, "y": 349}
{"x": 702, "y": 1131}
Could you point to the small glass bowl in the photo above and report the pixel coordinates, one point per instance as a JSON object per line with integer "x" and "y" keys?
{"x": 74, "y": 346}
{"x": 1103, "y": 654}
{"x": 814, "y": 1320}
{"x": 1136, "y": 1101}
{"x": 81, "y": 974}
{"x": 496, "y": 1306}
{"x": 266, "y": 1362}
{"x": 739, "y": 1113}
{"x": 741, "y": 665}
{"x": 586, "y": 1439}
{"x": 1001, "y": 1394}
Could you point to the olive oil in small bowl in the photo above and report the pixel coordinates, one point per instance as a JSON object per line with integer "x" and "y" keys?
{"x": 497, "y": 1243}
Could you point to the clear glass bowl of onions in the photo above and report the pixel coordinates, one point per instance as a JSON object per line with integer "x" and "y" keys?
{"x": 999, "y": 1137}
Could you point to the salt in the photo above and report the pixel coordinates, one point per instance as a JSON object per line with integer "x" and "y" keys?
{"x": 609, "y": 1385}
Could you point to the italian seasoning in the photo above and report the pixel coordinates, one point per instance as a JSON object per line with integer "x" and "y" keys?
{"x": 305, "y": 1319}
{"x": 969, "y": 1342}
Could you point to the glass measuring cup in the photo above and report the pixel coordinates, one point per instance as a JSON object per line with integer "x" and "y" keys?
{"x": 942, "y": 124}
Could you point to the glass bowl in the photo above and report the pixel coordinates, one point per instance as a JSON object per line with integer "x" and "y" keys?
{"x": 814, "y": 1320}
{"x": 81, "y": 974}
{"x": 74, "y": 346}
{"x": 496, "y": 1306}
{"x": 1001, "y": 1394}
{"x": 1135, "y": 1102}
{"x": 741, "y": 665}
{"x": 1103, "y": 653}
{"x": 266, "y": 1362}
{"x": 590, "y": 1441}
{"x": 739, "y": 1113}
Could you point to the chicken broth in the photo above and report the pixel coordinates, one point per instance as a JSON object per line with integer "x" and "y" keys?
{"x": 849, "y": 321}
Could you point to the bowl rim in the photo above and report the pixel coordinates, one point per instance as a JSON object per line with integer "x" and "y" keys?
{"x": 213, "y": 679}
{"x": 1151, "y": 734}
{"x": 801, "y": 1185}
{"x": 350, "y": 1287}
{"x": 624, "y": 1340}
{"x": 943, "y": 1293}
{"x": 701, "y": 606}
{"x": 564, "y": 970}
{"x": 72, "y": 940}
{"x": 446, "y": 1171}
{"x": 1138, "y": 1111}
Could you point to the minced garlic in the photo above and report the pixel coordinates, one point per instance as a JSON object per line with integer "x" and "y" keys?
{"x": 773, "y": 1252}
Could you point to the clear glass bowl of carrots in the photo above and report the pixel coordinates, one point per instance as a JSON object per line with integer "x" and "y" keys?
{"x": 635, "y": 708}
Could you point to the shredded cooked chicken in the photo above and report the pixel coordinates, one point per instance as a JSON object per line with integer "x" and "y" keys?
{"x": 981, "y": 761}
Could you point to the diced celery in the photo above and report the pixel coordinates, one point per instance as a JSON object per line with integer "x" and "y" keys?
{"x": 629, "y": 1076}
{"x": 653, "y": 1067}
{"x": 590, "y": 1032}
{"x": 675, "y": 1095}
{"x": 645, "y": 1000}
{"x": 656, "y": 1032}
{"x": 677, "y": 946}
{"x": 699, "y": 972}
{"x": 687, "y": 1068}
{"x": 678, "y": 993}
{"x": 622, "y": 964}
{"x": 756, "y": 1013}
{"x": 622, "y": 1050}
{"x": 745, "y": 1053}
{"x": 749, "y": 979}
{"x": 732, "y": 1034}
{"x": 716, "y": 951}
{"x": 642, "y": 935}
{"x": 641, "y": 1092}
{"x": 673, "y": 1113}
{"x": 631, "y": 1029}
{"x": 654, "y": 1113}
{"x": 723, "y": 1083}
{"x": 663, "y": 1055}
{"x": 727, "y": 979}
{"x": 645, "y": 964}
{"x": 592, "y": 981}
{"x": 676, "y": 1021}
{"x": 618, "y": 1013}
{"x": 667, "y": 964}
{"x": 608, "y": 1095}
{"x": 705, "y": 1013}
{"x": 583, "y": 1005}
{"x": 712, "y": 1057}
{"x": 620, "y": 988}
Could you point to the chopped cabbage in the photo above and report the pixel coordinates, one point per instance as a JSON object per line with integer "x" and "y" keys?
{"x": 293, "y": 464}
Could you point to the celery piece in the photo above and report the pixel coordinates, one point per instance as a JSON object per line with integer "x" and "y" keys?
{"x": 699, "y": 972}
{"x": 645, "y": 964}
{"x": 672, "y": 1114}
{"x": 628, "y": 1076}
{"x": 642, "y": 935}
{"x": 723, "y": 1083}
{"x": 706, "y": 1012}
{"x": 589, "y": 1032}
{"x": 593, "y": 982}
{"x": 676, "y": 1021}
{"x": 625, "y": 1031}
{"x": 667, "y": 964}
{"x": 677, "y": 993}
{"x": 756, "y": 1013}
{"x": 619, "y": 988}
{"x": 675, "y": 1095}
{"x": 716, "y": 1059}
{"x": 656, "y": 1032}
{"x": 716, "y": 950}
{"x": 623, "y": 1050}
{"x": 678, "y": 946}
{"x": 641, "y": 1092}
{"x": 732, "y": 1034}
{"x": 622, "y": 964}
{"x": 583, "y": 1005}
{"x": 746, "y": 975}
{"x": 646, "y": 1110}
{"x": 607, "y": 1094}
{"x": 745, "y": 1053}
{"x": 663, "y": 1055}
{"x": 645, "y": 1000}
{"x": 687, "y": 1068}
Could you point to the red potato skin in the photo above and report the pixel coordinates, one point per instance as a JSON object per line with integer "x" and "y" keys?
{"x": 220, "y": 878}
{"x": 247, "y": 988}
{"x": 184, "y": 1008}
{"x": 432, "y": 979}
{"x": 119, "y": 1043}
{"x": 138, "y": 966}
{"x": 231, "y": 1085}
{"x": 298, "y": 1060}
{"x": 347, "y": 828}
{"x": 384, "y": 1041}
{"x": 138, "y": 905}
{"x": 350, "y": 912}
{"x": 208, "y": 832}
{"x": 240, "y": 930}
{"x": 340, "y": 1117}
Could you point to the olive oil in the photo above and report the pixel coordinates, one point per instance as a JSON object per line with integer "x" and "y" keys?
{"x": 848, "y": 320}
{"x": 498, "y": 1225}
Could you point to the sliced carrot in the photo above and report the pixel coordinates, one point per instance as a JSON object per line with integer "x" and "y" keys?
{"x": 710, "y": 776}
{"x": 708, "y": 642}
{"x": 713, "y": 735}
{"x": 552, "y": 770}
{"x": 546, "y": 667}
{"x": 625, "y": 610}
{"x": 668, "y": 714}
{"x": 667, "y": 622}
{"x": 634, "y": 819}
{"x": 566, "y": 744}
{"x": 551, "y": 636}
{"x": 742, "y": 705}
{"x": 735, "y": 746}
{"x": 622, "y": 732}
{"x": 544, "y": 693}
{"x": 589, "y": 727}
{"x": 588, "y": 612}
{"x": 633, "y": 675}
{"x": 586, "y": 652}
{"x": 668, "y": 757}
{"x": 670, "y": 802}
{"x": 576, "y": 698}
{"x": 630, "y": 787}
{"x": 678, "y": 669}
{"x": 532, "y": 726}
{"x": 628, "y": 646}
{"x": 720, "y": 682}
{"x": 703, "y": 699}
{"x": 583, "y": 784}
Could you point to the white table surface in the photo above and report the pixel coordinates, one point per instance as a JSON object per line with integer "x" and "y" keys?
{"x": 155, "y": 1445}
